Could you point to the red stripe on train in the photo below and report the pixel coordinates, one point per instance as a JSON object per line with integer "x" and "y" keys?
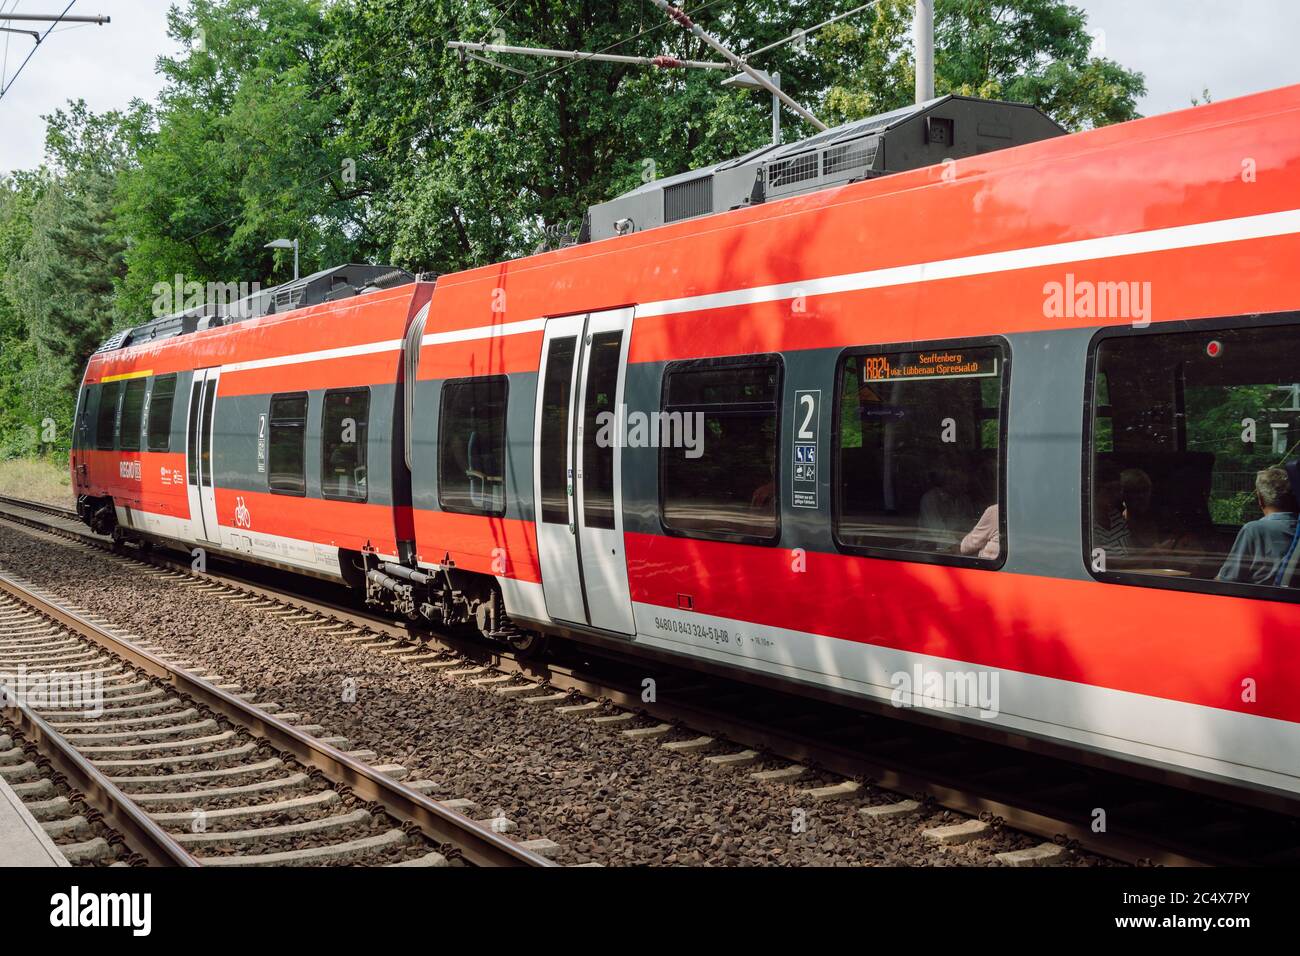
{"x": 506, "y": 547}
{"x": 487, "y": 356}
{"x": 377, "y": 317}
{"x": 1184, "y": 284}
{"x": 342, "y": 524}
{"x": 1153, "y": 174}
{"x": 1189, "y": 647}
{"x": 156, "y": 486}
{"x": 381, "y": 368}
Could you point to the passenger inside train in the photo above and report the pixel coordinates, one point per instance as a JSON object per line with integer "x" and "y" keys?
{"x": 1191, "y": 435}
{"x": 918, "y": 453}
{"x": 1262, "y": 544}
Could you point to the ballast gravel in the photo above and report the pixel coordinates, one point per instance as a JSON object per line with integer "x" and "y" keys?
{"x": 602, "y": 797}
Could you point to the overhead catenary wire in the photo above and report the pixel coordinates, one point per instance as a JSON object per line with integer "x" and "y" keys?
{"x": 4, "y": 67}
{"x": 659, "y": 61}
{"x": 800, "y": 34}
{"x": 491, "y": 101}
{"x": 683, "y": 19}
{"x": 32, "y": 52}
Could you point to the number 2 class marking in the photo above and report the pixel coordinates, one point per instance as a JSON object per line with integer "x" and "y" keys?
{"x": 810, "y": 404}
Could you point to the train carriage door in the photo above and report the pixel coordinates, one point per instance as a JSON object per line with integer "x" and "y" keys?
{"x": 580, "y": 508}
{"x": 199, "y": 457}
{"x": 554, "y": 470}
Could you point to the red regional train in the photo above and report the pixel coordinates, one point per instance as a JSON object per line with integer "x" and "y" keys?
{"x": 943, "y": 410}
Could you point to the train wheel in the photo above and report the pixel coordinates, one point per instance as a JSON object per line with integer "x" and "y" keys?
{"x": 528, "y": 643}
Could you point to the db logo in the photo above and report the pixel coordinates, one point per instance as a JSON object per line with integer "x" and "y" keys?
{"x": 243, "y": 517}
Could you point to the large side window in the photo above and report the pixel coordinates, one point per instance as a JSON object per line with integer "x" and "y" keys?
{"x": 472, "y": 446}
{"x": 161, "y": 401}
{"x": 1192, "y": 460}
{"x": 345, "y": 421}
{"x": 718, "y": 449}
{"x": 132, "y": 414}
{"x": 287, "y": 444}
{"x": 106, "y": 420}
{"x": 918, "y": 454}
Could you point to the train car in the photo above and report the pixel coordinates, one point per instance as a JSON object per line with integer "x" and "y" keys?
{"x": 969, "y": 439}
{"x": 270, "y": 431}
{"x": 942, "y": 412}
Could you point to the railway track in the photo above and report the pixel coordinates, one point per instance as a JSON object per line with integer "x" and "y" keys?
{"x": 190, "y": 774}
{"x": 822, "y": 752}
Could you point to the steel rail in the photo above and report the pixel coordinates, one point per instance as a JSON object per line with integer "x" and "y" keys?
{"x": 894, "y": 773}
{"x": 122, "y": 813}
{"x": 41, "y": 506}
{"x": 477, "y": 843}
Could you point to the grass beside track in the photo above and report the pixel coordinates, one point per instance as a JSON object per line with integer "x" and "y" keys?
{"x": 37, "y": 479}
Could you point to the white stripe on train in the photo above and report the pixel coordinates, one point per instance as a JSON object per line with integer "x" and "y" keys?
{"x": 1263, "y": 226}
{"x": 1218, "y": 743}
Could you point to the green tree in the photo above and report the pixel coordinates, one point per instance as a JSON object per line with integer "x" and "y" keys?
{"x": 1027, "y": 51}
{"x": 248, "y": 146}
{"x": 351, "y": 126}
{"x": 472, "y": 163}
{"x": 18, "y": 362}
{"x": 64, "y": 263}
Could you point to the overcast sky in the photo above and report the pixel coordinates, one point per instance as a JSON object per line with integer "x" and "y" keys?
{"x": 1231, "y": 47}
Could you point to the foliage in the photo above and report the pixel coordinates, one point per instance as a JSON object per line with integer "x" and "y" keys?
{"x": 1028, "y": 51}
{"x": 352, "y": 127}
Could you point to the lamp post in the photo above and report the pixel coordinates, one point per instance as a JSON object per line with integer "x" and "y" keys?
{"x": 286, "y": 244}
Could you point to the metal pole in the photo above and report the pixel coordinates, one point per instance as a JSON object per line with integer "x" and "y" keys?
{"x": 776, "y": 111}
{"x": 923, "y": 40}
{"x": 679, "y": 17}
{"x": 295, "y": 260}
{"x": 660, "y": 61}
{"x": 46, "y": 17}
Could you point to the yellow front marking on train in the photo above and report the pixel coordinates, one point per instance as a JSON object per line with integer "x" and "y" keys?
{"x": 125, "y": 375}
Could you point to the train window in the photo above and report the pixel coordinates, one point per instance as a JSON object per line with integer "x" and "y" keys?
{"x": 598, "y": 456}
{"x": 919, "y": 453}
{"x": 718, "y": 449}
{"x": 192, "y": 434}
{"x": 553, "y": 447}
{"x": 209, "y": 419}
{"x": 106, "y": 420}
{"x": 472, "y": 446}
{"x": 345, "y": 423}
{"x": 161, "y": 400}
{"x": 287, "y": 445}
{"x": 132, "y": 415}
{"x": 1193, "y": 460}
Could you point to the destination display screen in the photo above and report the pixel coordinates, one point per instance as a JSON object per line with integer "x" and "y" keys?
{"x": 932, "y": 364}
